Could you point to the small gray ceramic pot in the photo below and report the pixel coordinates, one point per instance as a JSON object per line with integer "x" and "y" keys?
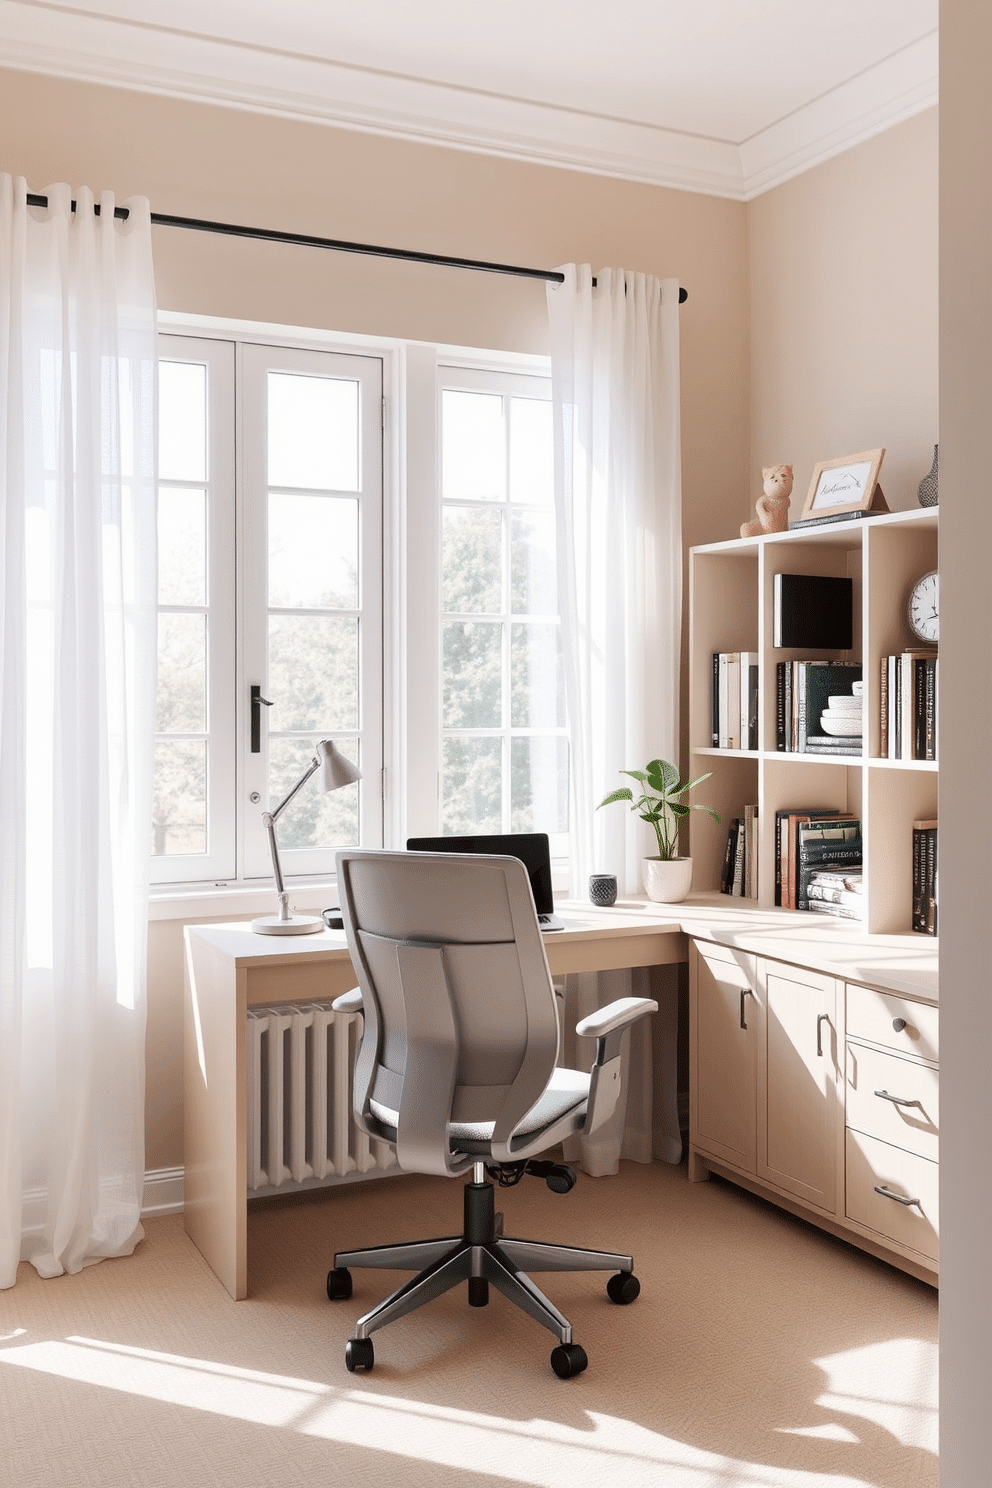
{"x": 603, "y": 889}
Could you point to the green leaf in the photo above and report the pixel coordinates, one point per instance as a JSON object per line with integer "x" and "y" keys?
{"x": 623, "y": 793}
{"x": 662, "y": 775}
{"x": 636, "y": 775}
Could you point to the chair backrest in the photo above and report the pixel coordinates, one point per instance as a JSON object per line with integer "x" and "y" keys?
{"x": 461, "y": 1020}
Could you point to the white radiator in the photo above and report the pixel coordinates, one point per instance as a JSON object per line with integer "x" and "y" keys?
{"x": 301, "y": 1131}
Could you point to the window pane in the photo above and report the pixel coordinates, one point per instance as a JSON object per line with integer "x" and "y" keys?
{"x": 471, "y": 786}
{"x": 539, "y": 784}
{"x": 313, "y": 818}
{"x": 531, "y": 452}
{"x": 537, "y": 693}
{"x": 471, "y": 561}
{"x": 533, "y": 580}
{"x": 182, "y": 674}
{"x": 472, "y": 675}
{"x": 313, "y": 432}
{"x": 182, "y": 547}
{"x": 473, "y": 451}
{"x": 182, "y": 421}
{"x": 313, "y": 673}
{"x": 313, "y": 552}
{"x": 179, "y": 812}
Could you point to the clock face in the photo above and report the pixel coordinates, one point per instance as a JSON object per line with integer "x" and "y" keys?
{"x": 924, "y": 609}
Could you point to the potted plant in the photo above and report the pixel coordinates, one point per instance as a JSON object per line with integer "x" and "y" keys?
{"x": 667, "y": 877}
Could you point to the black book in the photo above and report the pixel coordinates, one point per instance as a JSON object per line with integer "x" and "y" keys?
{"x": 790, "y": 742}
{"x": 730, "y": 858}
{"x": 930, "y": 709}
{"x": 780, "y": 667}
{"x": 858, "y": 516}
{"x": 716, "y": 699}
{"x": 813, "y": 611}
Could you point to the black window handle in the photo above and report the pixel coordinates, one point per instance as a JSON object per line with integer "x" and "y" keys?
{"x": 257, "y": 703}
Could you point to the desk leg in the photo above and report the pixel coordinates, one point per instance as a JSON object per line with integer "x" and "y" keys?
{"x": 215, "y": 1114}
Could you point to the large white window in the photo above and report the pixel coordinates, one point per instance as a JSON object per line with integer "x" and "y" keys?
{"x": 272, "y": 554}
{"x": 504, "y": 745}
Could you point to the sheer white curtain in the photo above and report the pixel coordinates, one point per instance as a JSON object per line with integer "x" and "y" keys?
{"x": 77, "y": 680}
{"x": 615, "y": 389}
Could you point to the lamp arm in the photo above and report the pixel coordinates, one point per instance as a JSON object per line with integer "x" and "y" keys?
{"x": 314, "y": 765}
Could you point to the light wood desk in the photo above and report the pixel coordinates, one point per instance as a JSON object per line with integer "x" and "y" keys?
{"x": 228, "y": 969}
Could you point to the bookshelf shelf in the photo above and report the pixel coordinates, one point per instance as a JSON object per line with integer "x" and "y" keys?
{"x": 731, "y": 589}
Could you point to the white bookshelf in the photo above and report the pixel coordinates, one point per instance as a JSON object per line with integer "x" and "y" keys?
{"x": 730, "y": 609}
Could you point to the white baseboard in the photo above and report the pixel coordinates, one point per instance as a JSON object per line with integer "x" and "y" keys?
{"x": 163, "y": 1192}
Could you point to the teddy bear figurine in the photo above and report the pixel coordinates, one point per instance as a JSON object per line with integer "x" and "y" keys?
{"x": 773, "y": 507}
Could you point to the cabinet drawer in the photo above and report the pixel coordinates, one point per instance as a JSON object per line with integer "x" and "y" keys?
{"x": 872, "y": 1163}
{"x": 877, "y": 1016}
{"x": 911, "y": 1122}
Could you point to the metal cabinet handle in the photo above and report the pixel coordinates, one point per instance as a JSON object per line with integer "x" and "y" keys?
{"x": 823, "y": 1018}
{"x": 745, "y": 992}
{"x": 897, "y": 1100}
{"x": 897, "y": 1198}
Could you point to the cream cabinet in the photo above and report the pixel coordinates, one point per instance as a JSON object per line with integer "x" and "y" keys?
{"x": 819, "y": 1094}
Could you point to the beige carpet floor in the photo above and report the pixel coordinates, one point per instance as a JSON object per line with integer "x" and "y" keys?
{"x": 760, "y": 1352}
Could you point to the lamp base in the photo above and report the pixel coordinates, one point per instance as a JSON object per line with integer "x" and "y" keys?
{"x": 295, "y": 925}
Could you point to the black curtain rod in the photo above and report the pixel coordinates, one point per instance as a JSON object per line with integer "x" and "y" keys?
{"x": 304, "y": 240}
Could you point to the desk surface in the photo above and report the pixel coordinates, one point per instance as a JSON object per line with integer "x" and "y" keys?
{"x": 654, "y": 934}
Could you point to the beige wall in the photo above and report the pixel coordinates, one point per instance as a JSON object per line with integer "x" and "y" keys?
{"x": 844, "y": 313}
{"x": 237, "y": 167}
{"x": 966, "y": 731}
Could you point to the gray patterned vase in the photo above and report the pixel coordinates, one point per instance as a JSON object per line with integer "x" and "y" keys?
{"x": 927, "y": 494}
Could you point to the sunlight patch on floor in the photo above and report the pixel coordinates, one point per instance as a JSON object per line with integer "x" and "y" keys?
{"x": 537, "y": 1452}
{"x": 892, "y": 1384}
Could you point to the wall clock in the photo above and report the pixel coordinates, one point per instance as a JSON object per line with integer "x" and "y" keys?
{"x": 923, "y": 609}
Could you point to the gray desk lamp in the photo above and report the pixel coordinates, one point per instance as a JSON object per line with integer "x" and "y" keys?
{"x": 335, "y": 771}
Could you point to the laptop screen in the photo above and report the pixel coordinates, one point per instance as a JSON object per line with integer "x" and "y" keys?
{"x": 530, "y": 847}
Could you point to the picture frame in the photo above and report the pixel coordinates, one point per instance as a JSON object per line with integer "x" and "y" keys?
{"x": 846, "y": 484}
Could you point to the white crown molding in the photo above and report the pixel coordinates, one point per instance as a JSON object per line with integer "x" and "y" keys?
{"x": 178, "y": 65}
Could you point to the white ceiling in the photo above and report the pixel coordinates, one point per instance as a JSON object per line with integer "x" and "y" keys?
{"x": 723, "y": 96}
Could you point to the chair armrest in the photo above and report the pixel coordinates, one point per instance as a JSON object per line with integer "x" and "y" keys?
{"x": 348, "y": 1002}
{"x": 619, "y": 1014}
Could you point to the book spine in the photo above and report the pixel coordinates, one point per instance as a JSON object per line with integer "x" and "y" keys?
{"x": 802, "y": 699}
{"x": 919, "y": 709}
{"x": 749, "y": 724}
{"x": 780, "y": 705}
{"x": 838, "y": 911}
{"x": 931, "y": 881}
{"x": 919, "y": 877}
{"x": 809, "y": 859}
{"x": 789, "y": 668}
{"x": 801, "y": 522}
{"x": 930, "y": 710}
{"x": 738, "y": 885}
{"x": 883, "y": 710}
{"x": 777, "y": 610}
{"x": 829, "y": 894}
{"x": 906, "y": 707}
{"x": 715, "y": 720}
{"x": 726, "y": 877}
{"x": 895, "y": 692}
{"x": 724, "y": 678}
{"x": 780, "y": 818}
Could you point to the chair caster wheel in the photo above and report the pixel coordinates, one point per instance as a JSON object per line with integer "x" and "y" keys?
{"x": 339, "y": 1284}
{"x": 623, "y": 1288}
{"x": 568, "y": 1359}
{"x": 358, "y": 1354}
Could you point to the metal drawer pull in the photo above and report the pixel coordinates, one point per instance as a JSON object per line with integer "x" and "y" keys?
{"x": 897, "y": 1100}
{"x": 823, "y": 1018}
{"x": 745, "y": 992}
{"x": 887, "y": 1194}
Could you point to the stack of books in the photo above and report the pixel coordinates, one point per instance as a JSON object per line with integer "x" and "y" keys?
{"x": 804, "y": 692}
{"x": 925, "y": 877}
{"x": 908, "y": 705}
{"x": 740, "y": 864}
{"x": 834, "y": 890}
{"x": 813, "y": 841}
{"x": 735, "y": 700}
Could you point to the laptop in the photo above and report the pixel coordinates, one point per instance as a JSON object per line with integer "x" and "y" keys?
{"x": 530, "y": 847}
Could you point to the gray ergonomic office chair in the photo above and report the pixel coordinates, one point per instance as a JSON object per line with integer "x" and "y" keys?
{"x": 457, "y": 1067}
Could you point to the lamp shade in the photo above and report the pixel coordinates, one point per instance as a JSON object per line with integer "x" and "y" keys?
{"x": 335, "y": 769}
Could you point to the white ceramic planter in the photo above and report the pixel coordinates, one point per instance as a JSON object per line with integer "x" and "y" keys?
{"x": 666, "y": 880}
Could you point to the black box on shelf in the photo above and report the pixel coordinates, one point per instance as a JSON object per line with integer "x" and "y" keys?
{"x": 813, "y": 611}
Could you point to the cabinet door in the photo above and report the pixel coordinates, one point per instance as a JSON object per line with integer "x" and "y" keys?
{"x": 724, "y": 1034}
{"x": 800, "y": 1107}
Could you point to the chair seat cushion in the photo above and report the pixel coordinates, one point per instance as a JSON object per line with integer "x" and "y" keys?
{"x": 566, "y": 1093}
